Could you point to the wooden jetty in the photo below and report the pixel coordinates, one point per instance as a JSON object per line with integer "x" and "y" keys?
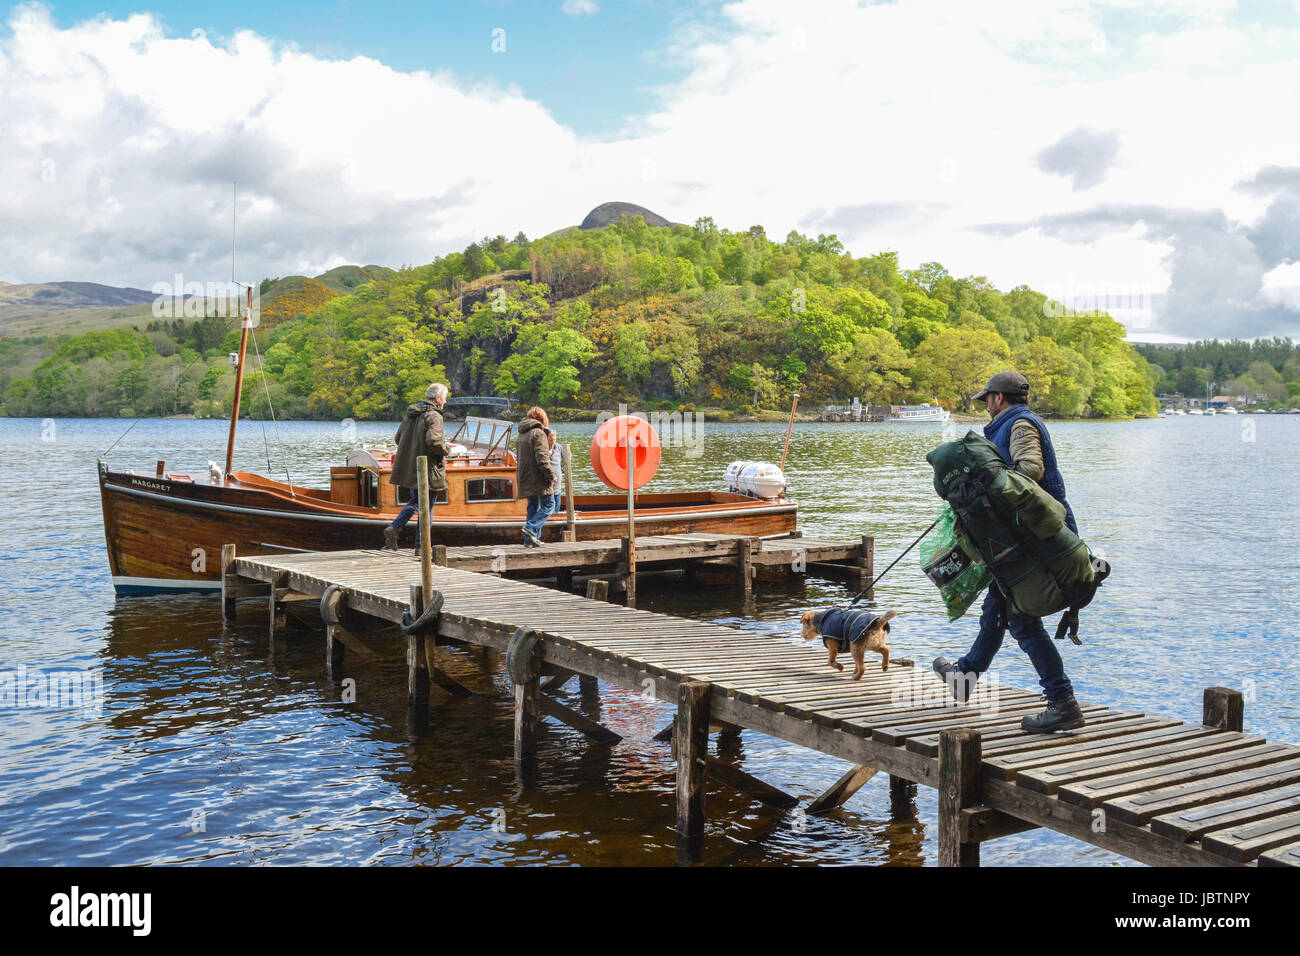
{"x": 1150, "y": 788}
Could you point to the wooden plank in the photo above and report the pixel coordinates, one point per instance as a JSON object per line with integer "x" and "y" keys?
{"x": 1246, "y": 841}
{"x": 1093, "y": 793}
{"x": 1193, "y": 823}
{"x": 841, "y": 790}
{"x": 746, "y": 783}
{"x": 1005, "y": 767}
{"x": 1049, "y": 779}
{"x": 1175, "y": 810}
{"x": 553, "y": 708}
{"x": 1282, "y": 856}
{"x": 1013, "y": 739}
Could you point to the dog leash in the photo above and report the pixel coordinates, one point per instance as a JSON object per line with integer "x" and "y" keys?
{"x": 863, "y": 593}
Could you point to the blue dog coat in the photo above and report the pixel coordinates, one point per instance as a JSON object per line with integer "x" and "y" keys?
{"x": 844, "y": 627}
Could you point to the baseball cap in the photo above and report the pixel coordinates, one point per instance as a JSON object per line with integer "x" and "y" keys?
{"x": 1013, "y": 383}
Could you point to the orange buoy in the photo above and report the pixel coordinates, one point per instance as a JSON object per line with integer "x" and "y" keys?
{"x": 609, "y": 451}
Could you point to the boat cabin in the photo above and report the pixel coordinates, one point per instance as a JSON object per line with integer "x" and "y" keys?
{"x": 480, "y": 472}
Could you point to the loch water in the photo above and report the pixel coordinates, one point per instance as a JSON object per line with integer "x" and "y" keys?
{"x": 210, "y": 747}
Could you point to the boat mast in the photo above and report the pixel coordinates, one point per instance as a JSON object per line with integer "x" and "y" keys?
{"x": 246, "y": 318}
{"x": 239, "y": 380}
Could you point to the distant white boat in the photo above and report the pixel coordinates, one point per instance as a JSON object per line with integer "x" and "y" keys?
{"x": 1211, "y": 411}
{"x": 1195, "y": 411}
{"x": 1229, "y": 410}
{"x": 919, "y": 413}
{"x": 1180, "y": 411}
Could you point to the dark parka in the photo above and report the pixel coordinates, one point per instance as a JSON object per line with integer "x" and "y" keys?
{"x": 533, "y": 473}
{"x": 420, "y": 434}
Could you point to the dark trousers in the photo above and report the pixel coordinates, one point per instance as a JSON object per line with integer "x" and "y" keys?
{"x": 995, "y": 619}
{"x": 410, "y": 510}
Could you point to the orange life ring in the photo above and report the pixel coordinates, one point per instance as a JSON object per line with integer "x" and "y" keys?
{"x": 609, "y": 451}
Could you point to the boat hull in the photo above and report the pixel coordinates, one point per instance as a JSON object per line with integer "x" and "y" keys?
{"x": 165, "y": 534}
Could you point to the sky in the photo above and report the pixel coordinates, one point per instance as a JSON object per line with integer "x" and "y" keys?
{"x": 1139, "y": 156}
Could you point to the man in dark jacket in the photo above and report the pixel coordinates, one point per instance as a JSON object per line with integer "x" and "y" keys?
{"x": 1026, "y": 446}
{"x": 419, "y": 434}
{"x": 533, "y": 473}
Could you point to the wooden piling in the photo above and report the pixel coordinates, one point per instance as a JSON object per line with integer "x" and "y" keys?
{"x": 439, "y": 555}
{"x": 417, "y": 666}
{"x": 627, "y": 569}
{"x": 570, "y": 532}
{"x": 276, "y": 612}
{"x": 867, "y": 562}
{"x": 691, "y": 743}
{"x": 426, "y": 529}
{"x": 745, "y": 563}
{"x": 1223, "y": 709}
{"x": 229, "y": 585}
{"x": 959, "y": 788}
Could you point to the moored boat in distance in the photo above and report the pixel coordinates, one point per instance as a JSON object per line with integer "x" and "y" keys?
{"x": 918, "y": 413}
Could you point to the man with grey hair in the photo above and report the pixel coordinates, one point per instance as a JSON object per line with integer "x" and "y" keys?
{"x": 419, "y": 434}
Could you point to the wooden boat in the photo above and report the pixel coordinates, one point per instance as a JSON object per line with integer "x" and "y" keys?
{"x": 165, "y": 530}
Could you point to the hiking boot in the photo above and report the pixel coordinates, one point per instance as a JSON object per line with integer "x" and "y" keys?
{"x": 960, "y": 683}
{"x": 390, "y": 538}
{"x": 1059, "y": 715}
{"x": 531, "y": 540}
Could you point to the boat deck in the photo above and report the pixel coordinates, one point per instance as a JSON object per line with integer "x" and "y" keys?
{"x": 1153, "y": 789}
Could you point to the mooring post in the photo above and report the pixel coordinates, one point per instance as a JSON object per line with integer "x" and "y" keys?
{"x": 426, "y": 529}
{"x": 901, "y": 790}
{"x": 959, "y": 788}
{"x": 276, "y": 620}
{"x": 691, "y": 744}
{"x": 440, "y": 555}
{"x": 332, "y": 612}
{"x": 527, "y": 721}
{"x": 1223, "y": 708}
{"x": 417, "y": 667}
{"x": 745, "y": 562}
{"x": 597, "y": 590}
{"x": 627, "y": 569}
{"x": 229, "y": 585}
{"x": 570, "y": 532}
{"x": 867, "y": 562}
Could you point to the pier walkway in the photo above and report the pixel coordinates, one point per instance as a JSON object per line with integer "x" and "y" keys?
{"x": 1150, "y": 788}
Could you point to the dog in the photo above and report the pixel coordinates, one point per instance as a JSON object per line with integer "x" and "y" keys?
{"x": 859, "y": 631}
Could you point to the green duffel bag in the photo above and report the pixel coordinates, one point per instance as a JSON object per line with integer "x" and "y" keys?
{"x": 1015, "y": 529}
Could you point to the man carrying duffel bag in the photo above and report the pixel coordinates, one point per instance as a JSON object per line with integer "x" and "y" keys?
{"x": 1024, "y": 443}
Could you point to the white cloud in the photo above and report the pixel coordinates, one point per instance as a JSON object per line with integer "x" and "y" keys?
{"x": 1282, "y": 285}
{"x": 579, "y": 8}
{"x": 903, "y": 126}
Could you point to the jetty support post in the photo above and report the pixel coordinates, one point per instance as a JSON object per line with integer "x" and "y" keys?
{"x": 417, "y": 665}
{"x": 960, "y": 788}
{"x": 597, "y": 590}
{"x": 277, "y": 614}
{"x": 528, "y": 721}
{"x": 745, "y": 548}
{"x": 332, "y": 608}
{"x": 691, "y": 747}
{"x": 1223, "y": 709}
{"x": 229, "y": 585}
{"x": 570, "y": 532}
{"x": 866, "y": 564}
{"x": 426, "y": 530}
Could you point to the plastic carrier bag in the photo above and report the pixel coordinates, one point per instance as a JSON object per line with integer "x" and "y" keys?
{"x": 959, "y": 580}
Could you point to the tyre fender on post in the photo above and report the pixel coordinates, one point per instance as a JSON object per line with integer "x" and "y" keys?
{"x": 521, "y": 664}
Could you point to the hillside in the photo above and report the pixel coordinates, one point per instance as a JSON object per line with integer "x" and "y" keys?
{"x": 665, "y": 317}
